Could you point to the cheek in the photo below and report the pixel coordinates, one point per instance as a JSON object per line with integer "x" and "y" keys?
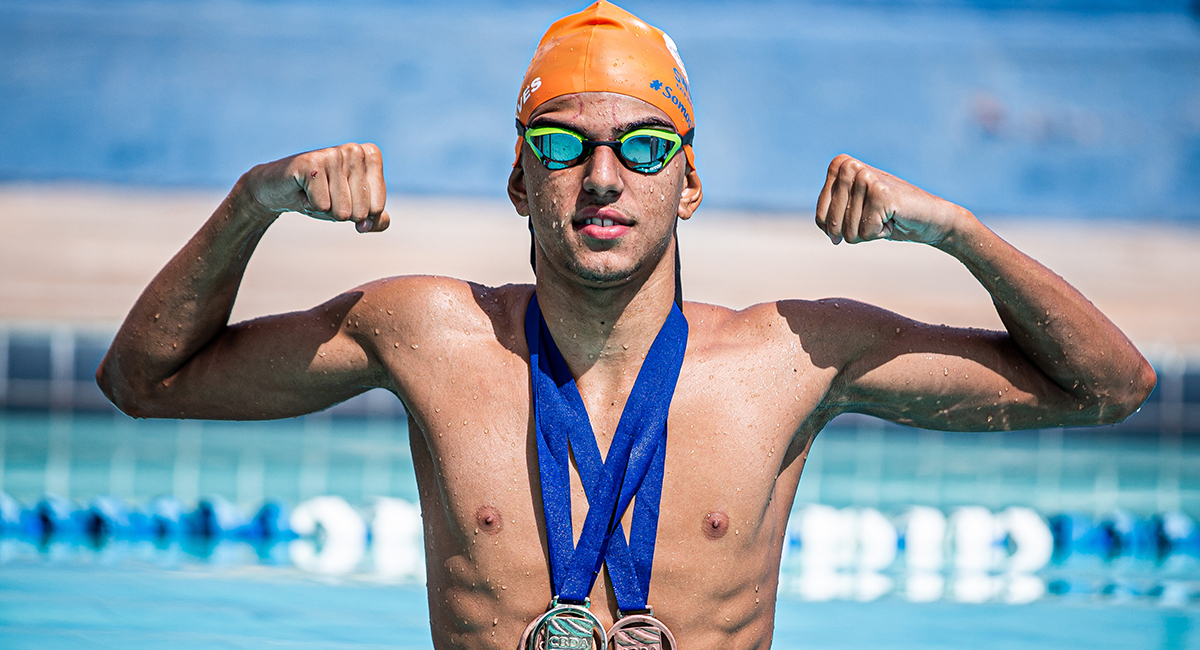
{"x": 545, "y": 194}
{"x": 660, "y": 194}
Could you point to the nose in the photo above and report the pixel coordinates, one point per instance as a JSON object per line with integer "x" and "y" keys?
{"x": 602, "y": 174}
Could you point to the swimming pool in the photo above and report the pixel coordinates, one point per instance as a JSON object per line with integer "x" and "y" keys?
{"x": 1059, "y": 539}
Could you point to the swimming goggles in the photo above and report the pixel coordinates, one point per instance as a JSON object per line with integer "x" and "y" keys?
{"x": 643, "y": 150}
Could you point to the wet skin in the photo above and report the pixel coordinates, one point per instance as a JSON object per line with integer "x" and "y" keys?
{"x": 755, "y": 388}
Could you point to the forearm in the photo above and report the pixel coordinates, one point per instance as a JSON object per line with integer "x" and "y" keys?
{"x": 187, "y": 305}
{"x": 1060, "y": 331}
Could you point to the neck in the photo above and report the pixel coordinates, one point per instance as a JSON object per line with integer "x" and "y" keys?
{"x": 607, "y": 330}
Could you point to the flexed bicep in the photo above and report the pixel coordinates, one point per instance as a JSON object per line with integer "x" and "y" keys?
{"x": 176, "y": 340}
{"x": 271, "y": 367}
{"x": 946, "y": 378}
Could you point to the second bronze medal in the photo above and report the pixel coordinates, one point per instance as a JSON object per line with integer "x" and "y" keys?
{"x": 640, "y": 632}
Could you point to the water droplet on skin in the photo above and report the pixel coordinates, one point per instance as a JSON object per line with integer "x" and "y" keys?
{"x": 946, "y": 371}
{"x": 156, "y": 316}
{"x": 396, "y": 344}
{"x": 624, "y": 346}
{"x": 389, "y": 312}
{"x": 414, "y": 346}
{"x": 321, "y": 354}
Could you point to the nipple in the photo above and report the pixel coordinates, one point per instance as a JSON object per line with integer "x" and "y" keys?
{"x": 487, "y": 519}
{"x": 715, "y": 525}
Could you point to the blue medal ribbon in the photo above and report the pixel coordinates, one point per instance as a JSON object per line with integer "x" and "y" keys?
{"x": 634, "y": 465}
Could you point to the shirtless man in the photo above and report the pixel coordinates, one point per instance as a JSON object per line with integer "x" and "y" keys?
{"x": 754, "y": 389}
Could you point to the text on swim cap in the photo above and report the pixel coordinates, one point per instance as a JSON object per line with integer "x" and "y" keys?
{"x": 524, "y": 97}
{"x": 681, "y": 84}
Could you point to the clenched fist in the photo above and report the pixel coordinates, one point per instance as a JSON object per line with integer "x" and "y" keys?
{"x": 343, "y": 183}
{"x": 860, "y": 203}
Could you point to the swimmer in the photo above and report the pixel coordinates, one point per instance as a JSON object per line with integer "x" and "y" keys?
{"x": 604, "y": 172}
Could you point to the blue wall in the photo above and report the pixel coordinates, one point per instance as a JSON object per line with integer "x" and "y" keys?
{"x": 1088, "y": 109}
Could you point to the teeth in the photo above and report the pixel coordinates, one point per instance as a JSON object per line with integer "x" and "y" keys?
{"x": 597, "y": 221}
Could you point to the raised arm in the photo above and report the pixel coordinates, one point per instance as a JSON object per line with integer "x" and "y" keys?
{"x": 177, "y": 356}
{"x": 1061, "y": 361}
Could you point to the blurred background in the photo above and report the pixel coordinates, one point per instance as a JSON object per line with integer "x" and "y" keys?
{"x": 1071, "y": 127}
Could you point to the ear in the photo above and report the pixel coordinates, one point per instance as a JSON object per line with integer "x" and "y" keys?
{"x": 516, "y": 189}
{"x": 692, "y": 194}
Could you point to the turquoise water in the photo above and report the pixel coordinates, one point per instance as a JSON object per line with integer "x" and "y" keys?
{"x": 72, "y": 603}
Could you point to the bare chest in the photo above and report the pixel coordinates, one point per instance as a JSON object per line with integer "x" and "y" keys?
{"x": 733, "y": 420}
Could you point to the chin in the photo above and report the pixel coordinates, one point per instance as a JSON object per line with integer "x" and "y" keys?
{"x": 602, "y": 276}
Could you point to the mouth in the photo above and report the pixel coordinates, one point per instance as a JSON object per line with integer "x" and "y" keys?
{"x": 602, "y": 223}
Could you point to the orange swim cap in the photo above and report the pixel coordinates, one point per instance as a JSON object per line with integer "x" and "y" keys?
{"x": 607, "y": 49}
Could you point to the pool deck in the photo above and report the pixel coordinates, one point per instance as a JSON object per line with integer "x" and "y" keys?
{"x": 81, "y": 254}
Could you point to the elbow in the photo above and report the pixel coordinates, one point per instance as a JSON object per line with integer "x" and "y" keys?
{"x": 1147, "y": 380}
{"x": 1125, "y": 400}
{"x": 119, "y": 391}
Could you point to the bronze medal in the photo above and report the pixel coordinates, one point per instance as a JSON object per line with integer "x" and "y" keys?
{"x": 565, "y": 627}
{"x": 640, "y": 632}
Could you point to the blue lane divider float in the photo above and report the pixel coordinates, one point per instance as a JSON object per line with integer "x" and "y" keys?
{"x": 1122, "y": 535}
{"x": 814, "y": 529}
{"x": 163, "y": 518}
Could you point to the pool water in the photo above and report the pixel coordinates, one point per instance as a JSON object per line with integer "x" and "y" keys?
{"x": 78, "y": 602}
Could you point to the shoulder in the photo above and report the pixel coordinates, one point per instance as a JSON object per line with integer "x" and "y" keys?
{"x": 447, "y": 307}
{"x": 830, "y": 331}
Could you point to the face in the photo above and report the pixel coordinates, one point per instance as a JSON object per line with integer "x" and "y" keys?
{"x": 598, "y": 222}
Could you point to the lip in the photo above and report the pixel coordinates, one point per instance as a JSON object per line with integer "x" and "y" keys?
{"x": 618, "y": 223}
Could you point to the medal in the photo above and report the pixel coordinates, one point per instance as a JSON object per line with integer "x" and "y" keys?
{"x": 640, "y": 632}
{"x": 564, "y": 627}
{"x": 634, "y": 467}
